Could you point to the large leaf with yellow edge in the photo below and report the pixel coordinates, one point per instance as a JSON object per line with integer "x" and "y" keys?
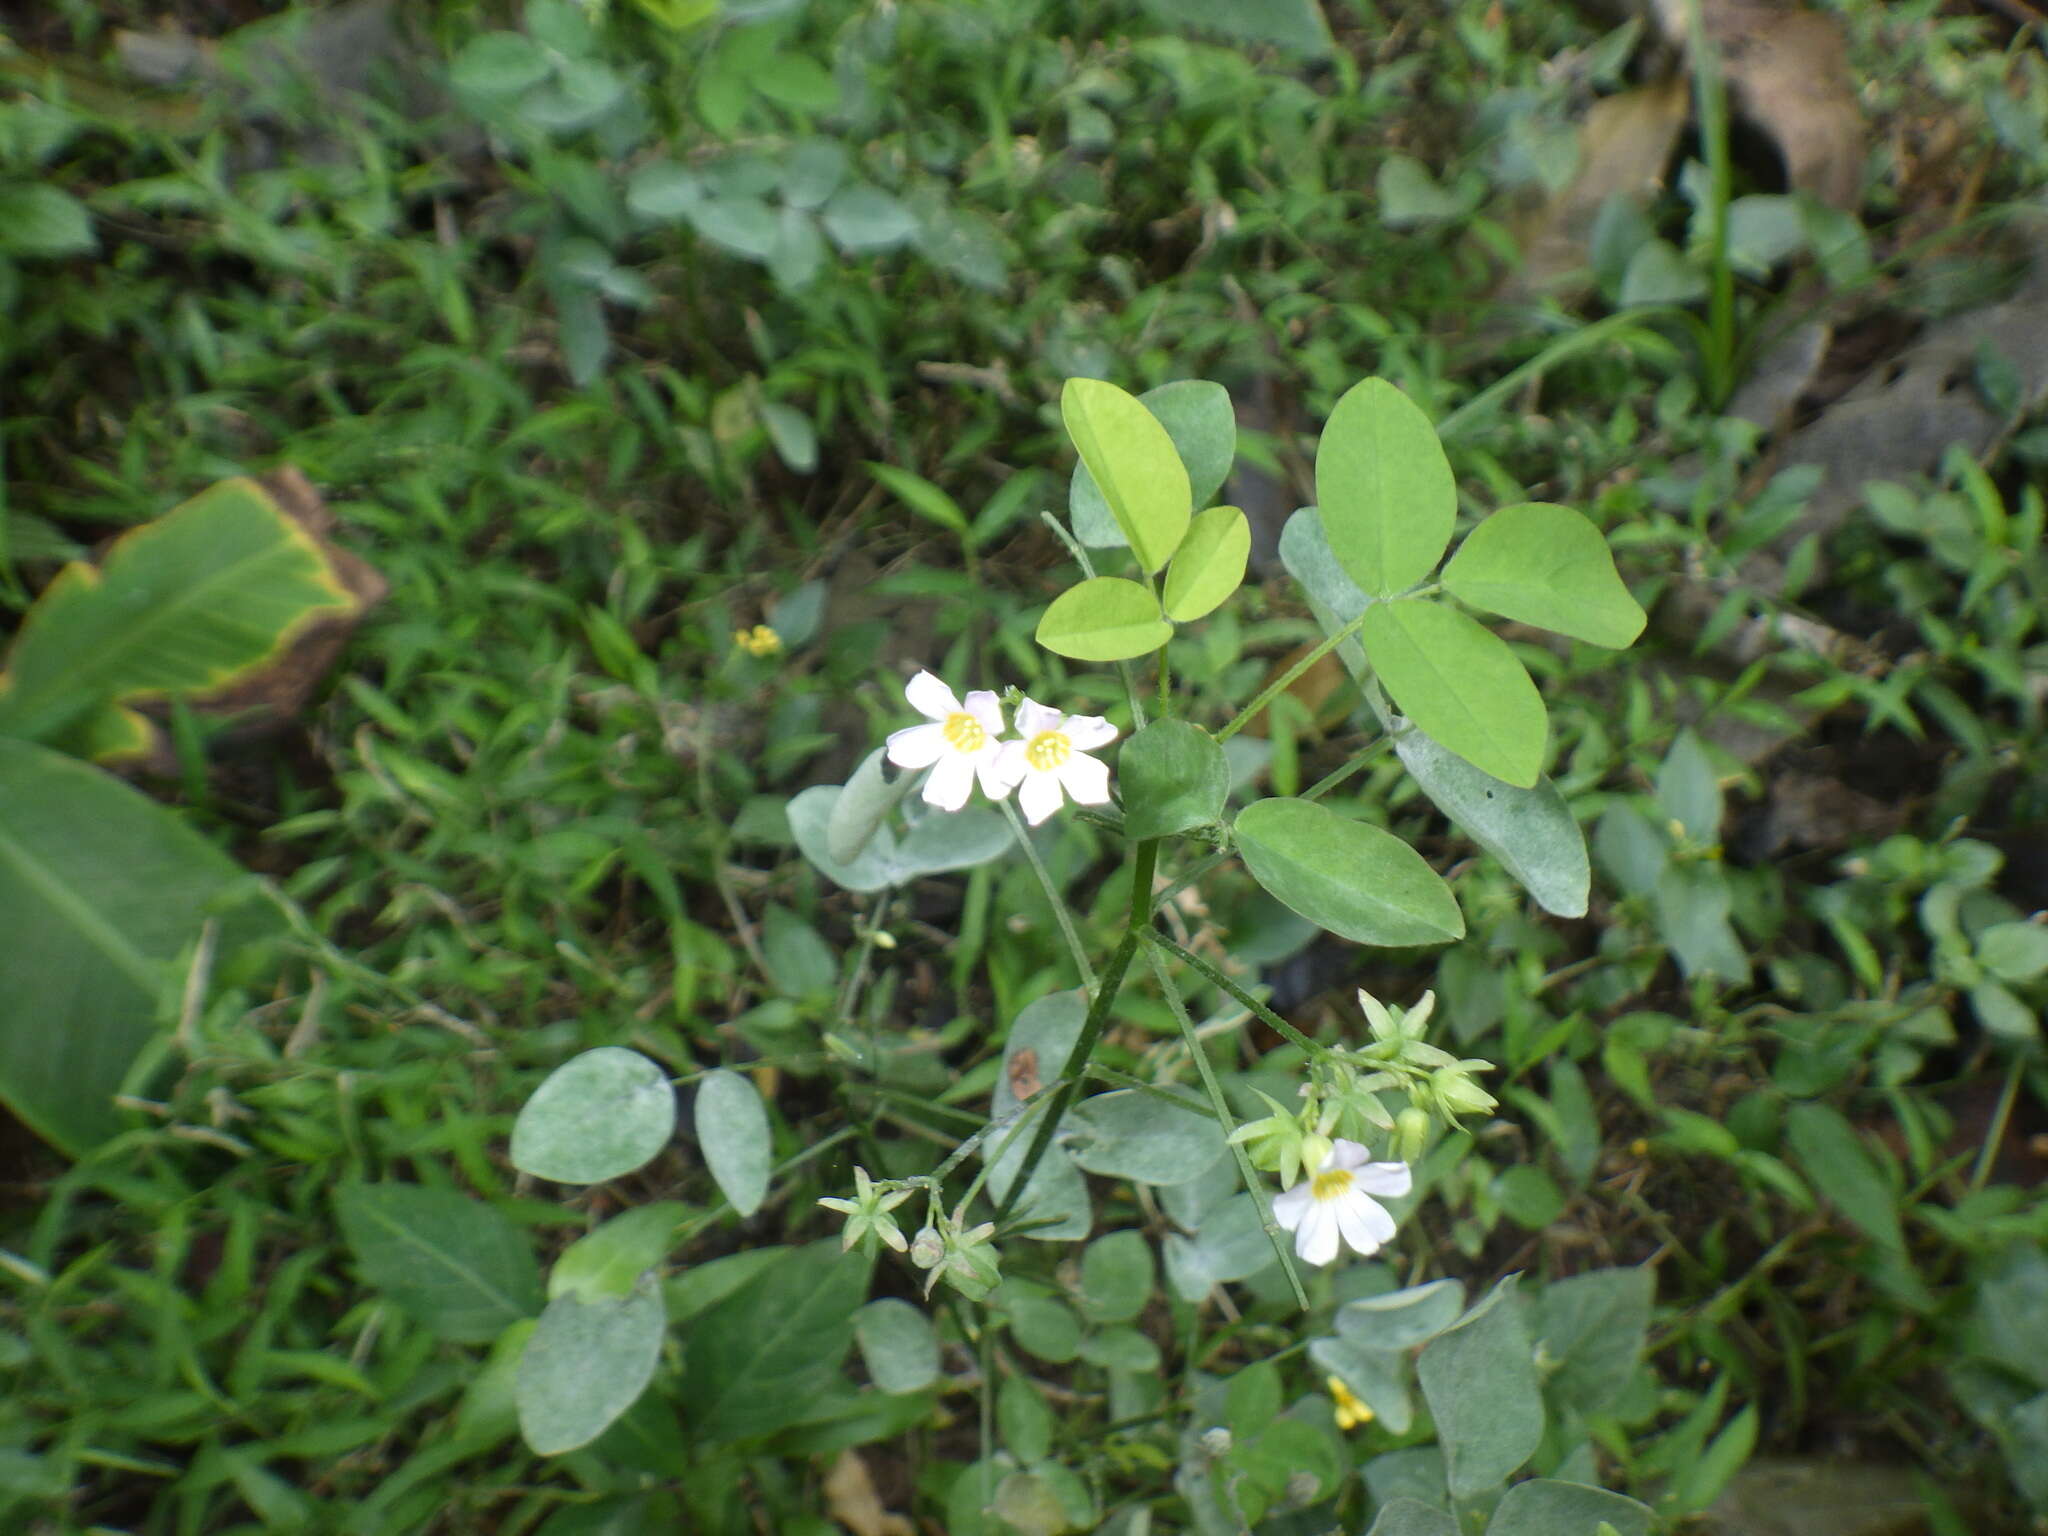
{"x": 187, "y": 605}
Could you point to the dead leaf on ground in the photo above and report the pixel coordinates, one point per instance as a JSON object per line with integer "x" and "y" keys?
{"x": 1787, "y": 70}
{"x": 851, "y": 1498}
{"x": 1625, "y": 144}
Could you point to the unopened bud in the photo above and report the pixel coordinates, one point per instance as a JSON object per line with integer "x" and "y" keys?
{"x": 1411, "y": 1127}
{"x": 927, "y": 1248}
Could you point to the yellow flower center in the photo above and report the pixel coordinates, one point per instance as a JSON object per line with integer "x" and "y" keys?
{"x": 1330, "y": 1183}
{"x": 964, "y": 733}
{"x": 1048, "y": 750}
{"x": 1350, "y": 1411}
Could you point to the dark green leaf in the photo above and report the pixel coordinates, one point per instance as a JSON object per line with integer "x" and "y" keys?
{"x": 1173, "y": 777}
{"x": 455, "y": 1264}
{"x": 1357, "y": 881}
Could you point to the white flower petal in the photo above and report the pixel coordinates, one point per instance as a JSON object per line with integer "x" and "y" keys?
{"x": 985, "y": 707}
{"x": 1315, "y": 1241}
{"x": 1039, "y": 796}
{"x": 930, "y": 697}
{"x": 1389, "y": 1179}
{"x": 1364, "y": 1224}
{"x": 1289, "y": 1208}
{"x": 1346, "y": 1154}
{"x": 1033, "y": 717}
{"x": 993, "y": 784}
{"x": 1085, "y": 779}
{"x": 1009, "y": 764}
{"x": 951, "y": 782}
{"x": 1087, "y": 732}
{"x": 917, "y": 746}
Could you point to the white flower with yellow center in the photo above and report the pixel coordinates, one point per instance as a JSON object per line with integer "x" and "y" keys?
{"x": 957, "y": 744}
{"x": 1336, "y": 1202}
{"x": 1050, "y": 758}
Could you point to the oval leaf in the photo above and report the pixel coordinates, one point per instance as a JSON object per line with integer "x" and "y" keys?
{"x": 1384, "y": 488}
{"x": 455, "y": 1264}
{"x": 1459, "y": 682}
{"x": 1200, "y": 419}
{"x": 1531, "y": 831}
{"x": 1173, "y": 776}
{"x": 732, "y": 1129}
{"x": 1104, "y": 619}
{"x": 598, "y": 1115}
{"x": 1359, "y": 882}
{"x": 1548, "y": 566}
{"x": 922, "y": 497}
{"x": 587, "y": 1363}
{"x": 1209, "y": 565}
{"x": 1134, "y": 465}
{"x": 1126, "y": 1134}
{"x": 606, "y": 1264}
{"x": 898, "y": 1344}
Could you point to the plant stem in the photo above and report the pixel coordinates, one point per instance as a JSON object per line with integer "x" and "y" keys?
{"x": 1274, "y": 689}
{"x": 1711, "y": 92}
{"x": 1052, "y": 895}
{"x": 1153, "y": 945}
{"x": 1994, "y": 1134}
{"x": 1098, "y": 1017}
{"x": 1215, "y": 976}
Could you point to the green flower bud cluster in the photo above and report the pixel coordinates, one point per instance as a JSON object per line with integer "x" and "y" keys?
{"x": 961, "y": 1256}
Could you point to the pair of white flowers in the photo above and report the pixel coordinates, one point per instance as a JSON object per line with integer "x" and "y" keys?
{"x": 1046, "y": 761}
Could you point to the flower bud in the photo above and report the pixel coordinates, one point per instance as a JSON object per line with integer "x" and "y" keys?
{"x": 927, "y": 1248}
{"x": 1411, "y": 1127}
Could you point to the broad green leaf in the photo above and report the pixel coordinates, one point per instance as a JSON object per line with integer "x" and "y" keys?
{"x": 756, "y": 1361}
{"x": 607, "y": 1263}
{"x": 40, "y": 220}
{"x": 1202, "y": 423}
{"x": 456, "y": 1265}
{"x": 1480, "y": 1383}
{"x": 812, "y": 171}
{"x": 1593, "y": 1326}
{"x": 1040, "y": 1322}
{"x": 732, "y": 1132}
{"x": 1231, "y": 1245}
{"x": 939, "y": 842}
{"x": 1412, "y": 1517}
{"x": 746, "y": 225}
{"x": 1293, "y": 26}
{"x": 101, "y": 891}
{"x": 1035, "y": 1052}
{"x": 922, "y": 497}
{"x": 2014, "y": 952}
{"x": 597, "y": 1116}
{"x": 861, "y": 218}
{"x": 1545, "y": 1507}
{"x": 1384, "y": 489}
{"x": 1689, "y": 790}
{"x": 1459, "y": 681}
{"x": 1531, "y": 831}
{"x": 1359, "y": 882}
{"x": 1377, "y": 1377}
{"x": 1401, "y": 1320}
{"x": 1693, "y": 902}
{"x": 1658, "y": 273}
{"x": 1116, "y": 1277}
{"x": 662, "y": 191}
{"x": 1844, "y": 1171}
{"x": 1146, "y": 1137}
{"x": 1173, "y": 777}
{"x": 1025, "y": 1422}
{"x": 1411, "y": 198}
{"x": 587, "y": 1363}
{"x": 1132, "y": 460}
{"x": 1106, "y": 618}
{"x": 1548, "y": 566}
{"x": 499, "y": 64}
{"x": 1209, "y": 565}
{"x": 185, "y": 605}
{"x": 898, "y": 1344}
{"x": 798, "y": 255}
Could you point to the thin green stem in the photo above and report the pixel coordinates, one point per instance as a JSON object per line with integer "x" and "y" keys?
{"x": 1052, "y": 895}
{"x": 1153, "y": 946}
{"x": 1140, "y": 918}
{"x": 1216, "y": 977}
{"x": 1582, "y": 340}
{"x": 1994, "y": 1134}
{"x": 1711, "y": 92}
{"x": 1274, "y": 689}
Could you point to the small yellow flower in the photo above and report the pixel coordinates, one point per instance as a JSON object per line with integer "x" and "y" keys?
{"x": 1350, "y": 1411}
{"x": 758, "y": 641}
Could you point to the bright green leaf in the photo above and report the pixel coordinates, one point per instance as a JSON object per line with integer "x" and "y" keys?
{"x": 1359, "y": 882}
{"x": 1384, "y": 489}
{"x": 607, "y": 1263}
{"x": 732, "y": 1130}
{"x": 1547, "y": 566}
{"x": 1173, "y": 777}
{"x": 1133, "y": 462}
{"x": 1202, "y": 423}
{"x": 1460, "y": 683}
{"x": 1107, "y": 618}
{"x": 2014, "y": 952}
{"x": 1209, "y": 565}
{"x": 40, "y": 220}
{"x": 922, "y": 497}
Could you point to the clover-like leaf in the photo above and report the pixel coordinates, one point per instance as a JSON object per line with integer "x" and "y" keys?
{"x": 1108, "y": 618}
{"x": 1548, "y": 566}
